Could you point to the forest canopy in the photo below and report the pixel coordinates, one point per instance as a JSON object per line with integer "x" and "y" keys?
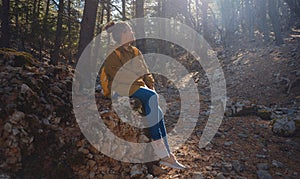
{"x": 59, "y": 30}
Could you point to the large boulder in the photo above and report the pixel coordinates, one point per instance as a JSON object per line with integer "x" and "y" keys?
{"x": 284, "y": 127}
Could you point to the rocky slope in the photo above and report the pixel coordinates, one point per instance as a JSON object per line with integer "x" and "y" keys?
{"x": 258, "y": 138}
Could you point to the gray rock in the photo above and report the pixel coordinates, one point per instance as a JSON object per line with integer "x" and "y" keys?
{"x": 137, "y": 170}
{"x": 45, "y": 121}
{"x": 284, "y": 127}
{"x": 264, "y": 126}
{"x": 25, "y": 89}
{"x": 226, "y": 167}
{"x": 208, "y": 148}
{"x": 277, "y": 164}
{"x": 149, "y": 176}
{"x": 208, "y": 168}
{"x": 16, "y": 117}
{"x": 261, "y": 156}
{"x": 56, "y": 90}
{"x": 214, "y": 173}
{"x": 8, "y": 127}
{"x": 256, "y": 136}
{"x": 92, "y": 174}
{"x": 220, "y": 176}
{"x": 15, "y": 132}
{"x": 262, "y": 166}
{"x": 263, "y": 174}
{"x": 4, "y": 176}
{"x": 228, "y": 143}
{"x": 295, "y": 173}
{"x": 237, "y": 166}
{"x": 244, "y": 136}
{"x": 197, "y": 175}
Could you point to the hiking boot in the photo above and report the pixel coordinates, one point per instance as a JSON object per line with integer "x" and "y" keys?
{"x": 171, "y": 162}
{"x": 167, "y": 159}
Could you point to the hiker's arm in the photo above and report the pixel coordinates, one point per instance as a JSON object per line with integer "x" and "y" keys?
{"x": 148, "y": 78}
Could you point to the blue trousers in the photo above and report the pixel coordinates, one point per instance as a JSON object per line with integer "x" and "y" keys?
{"x": 155, "y": 116}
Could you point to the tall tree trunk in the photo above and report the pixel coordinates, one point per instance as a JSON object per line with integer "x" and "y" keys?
{"x": 99, "y": 19}
{"x": 197, "y": 27}
{"x": 34, "y": 7}
{"x": 262, "y": 18}
{"x": 45, "y": 34}
{"x": 249, "y": 18}
{"x": 39, "y": 35}
{"x": 88, "y": 24}
{"x": 162, "y": 46}
{"x": 35, "y": 39}
{"x": 124, "y": 10}
{"x": 294, "y": 6}
{"x": 140, "y": 28}
{"x": 228, "y": 21}
{"x": 70, "y": 60}
{"x": 205, "y": 20}
{"x": 274, "y": 16}
{"x": 108, "y": 14}
{"x": 108, "y": 11}
{"x": 17, "y": 24}
{"x": 189, "y": 7}
{"x": 58, "y": 35}
{"x": 27, "y": 27}
{"x": 39, "y": 7}
{"x": 34, "y": 24}
{"x": 5, "y": 24}
{"x": 102, "y": 14}
{"x": 87, "y": 30}
{"x": 186, "y": 13}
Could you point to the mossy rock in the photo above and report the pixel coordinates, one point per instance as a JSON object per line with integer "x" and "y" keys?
{"x": 8, "y": 50}
{"x": 264, "y": 114}
{"x": 247, "y": 111}
{"x": 16, "y": 58}
{"x": 284, "y": 127}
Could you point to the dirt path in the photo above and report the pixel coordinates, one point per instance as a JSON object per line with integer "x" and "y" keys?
{"x": 246, "y": 147}
{"x": 243, "y": 147}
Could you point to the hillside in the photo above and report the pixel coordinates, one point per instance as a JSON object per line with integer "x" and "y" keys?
{"x": 40, "y": 137}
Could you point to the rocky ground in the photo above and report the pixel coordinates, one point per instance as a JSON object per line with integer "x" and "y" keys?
{"x": 263, "y": 89}
{"x": 258, "y": 138}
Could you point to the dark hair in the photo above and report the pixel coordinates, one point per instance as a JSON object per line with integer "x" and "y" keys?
{"x": 116, "y": 29}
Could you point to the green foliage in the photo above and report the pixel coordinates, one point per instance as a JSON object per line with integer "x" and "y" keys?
{"x": 34, "y": 26}
{"x": 34, "y": 22}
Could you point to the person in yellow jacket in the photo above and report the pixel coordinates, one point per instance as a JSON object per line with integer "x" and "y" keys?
{"x": 142, "y": 87}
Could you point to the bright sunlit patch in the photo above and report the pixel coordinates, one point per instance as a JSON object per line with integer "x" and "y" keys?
{"x": 295, "y": 35}
{"x": 295, "y": 30}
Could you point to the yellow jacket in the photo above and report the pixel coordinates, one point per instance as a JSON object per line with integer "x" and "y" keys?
{"x": 132, "y": 73}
